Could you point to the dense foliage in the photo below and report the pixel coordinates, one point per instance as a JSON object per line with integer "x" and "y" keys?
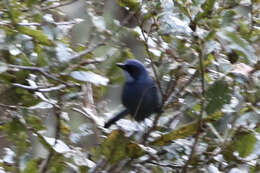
{"x": 59, "y": 84}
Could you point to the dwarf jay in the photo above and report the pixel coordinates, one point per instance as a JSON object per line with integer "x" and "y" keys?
{"x": 140, "y": 95}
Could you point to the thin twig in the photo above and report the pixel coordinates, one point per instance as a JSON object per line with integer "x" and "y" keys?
{"x": 146, "y": 135}
{"x": 200, "y": 121}
{"x": 41, "y": 70}
{"x": 12, "y": 106}
{"x": 43, "y": 89}
{"x": 59, "y": 5}
{"x": 39, "y": 24}
{"x": 178, "y": 94}
{"x": 57, "y": 111}
{"x": 119, "y": 168}
{"x": 150, "y": 57}
{"x": 100, "y": 163}
{"x": 165, "y": 165}
{"x": 92, "y": 118}
{"x": 44, "y": 71}
{"x": 171, "y": 86}
{"x": 84, "y": 52}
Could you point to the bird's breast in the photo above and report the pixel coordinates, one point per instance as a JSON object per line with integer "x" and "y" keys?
{"x": 140, "y": 98}
{"x": 132, "y": 93}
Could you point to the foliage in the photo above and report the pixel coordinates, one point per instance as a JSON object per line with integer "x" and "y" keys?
{"x": 59, "y": 84}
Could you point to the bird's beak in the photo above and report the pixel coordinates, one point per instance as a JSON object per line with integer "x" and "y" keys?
{"x": 121, "y": 65}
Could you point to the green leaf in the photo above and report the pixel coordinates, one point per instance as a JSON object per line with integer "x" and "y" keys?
{"x": 13, "y": 128}
{"x": 34, "y": 122}
{"x": 228, "y": 17}
{"x": 16, "y": 133}
{"x": 217, "y": 95}
{"x": 27, "y": 98}
{"x": 207, "y": 8}
{"x": 41, "y": 61}
{"x": 184, "y": 131}
{"x": 132, "y": 4}
{"x": 36, "y": 34}
{"x": 31, "y": 166}
{"x": 117, "y": 147}
{"x": 127, "y": 54}
{"x": 29, "y": 3}
{"x": 57, "y": 164}
{"x": 147, "y": 16}
{"x": 14, "y": 11}
{"x": 208, "y": 5}
{"x": 243, "y": 142}
{"x": 235, "y": 42}
{"x": 42, "y": 140}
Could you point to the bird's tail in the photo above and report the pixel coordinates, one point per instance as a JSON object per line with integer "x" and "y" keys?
{"x": 116, "y": 118}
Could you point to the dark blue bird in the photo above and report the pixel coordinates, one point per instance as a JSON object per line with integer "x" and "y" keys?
{"x": 140, "y": 95}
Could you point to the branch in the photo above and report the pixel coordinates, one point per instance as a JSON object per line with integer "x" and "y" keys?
{"x": 200, "y": 121}
{"x": 15, "y": 107}
{"x": 100, "y": 163}
{"x": 88, "y": 114}
{"x": 42, "y": 89}
{"x": 174, "y": 167}
{"x": 150, "y": 57}
{"x": 146, "y": 135}
{"x": 34, "y": 87}
{"x": 44, "y": 71}
{"x": 57, "y": 111}
{"x": 84, "y": 52}
{"x": 39, "y": 24}
{"x": 59, "y": 5}
{"x": 41, "y": 70}
{"x": 178, "y": 94}
{"x": 83, "y": 63}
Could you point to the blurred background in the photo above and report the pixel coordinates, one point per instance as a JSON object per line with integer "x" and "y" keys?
{"x": 59, "y": 84}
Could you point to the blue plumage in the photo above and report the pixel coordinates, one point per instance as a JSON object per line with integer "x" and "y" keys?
{"x": 140, "y": 95}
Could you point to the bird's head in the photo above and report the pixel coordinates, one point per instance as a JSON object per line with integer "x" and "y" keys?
{"x": 133, "y": 70}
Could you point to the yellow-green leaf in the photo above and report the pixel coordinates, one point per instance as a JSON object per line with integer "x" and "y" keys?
{"x": 36, "y": 34}
{"x": 243, "y": 142}
{"x": 117, "y": 147}
{"x": 217, "y": 95}
{"x": 31, "y": 166}
{"x": 184, "y": 131}
{"x": 132, "y": 4}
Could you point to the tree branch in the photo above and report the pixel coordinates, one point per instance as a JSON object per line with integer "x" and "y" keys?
{"x": 84, "y": 52}
{"x": 57, "y": 111}
{"x": 42, "y": 89}
{"x": 41, "y": 70}
{"x": 200, "y": 121}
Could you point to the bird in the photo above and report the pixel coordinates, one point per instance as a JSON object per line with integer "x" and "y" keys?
{"x": 140, "y": 95}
